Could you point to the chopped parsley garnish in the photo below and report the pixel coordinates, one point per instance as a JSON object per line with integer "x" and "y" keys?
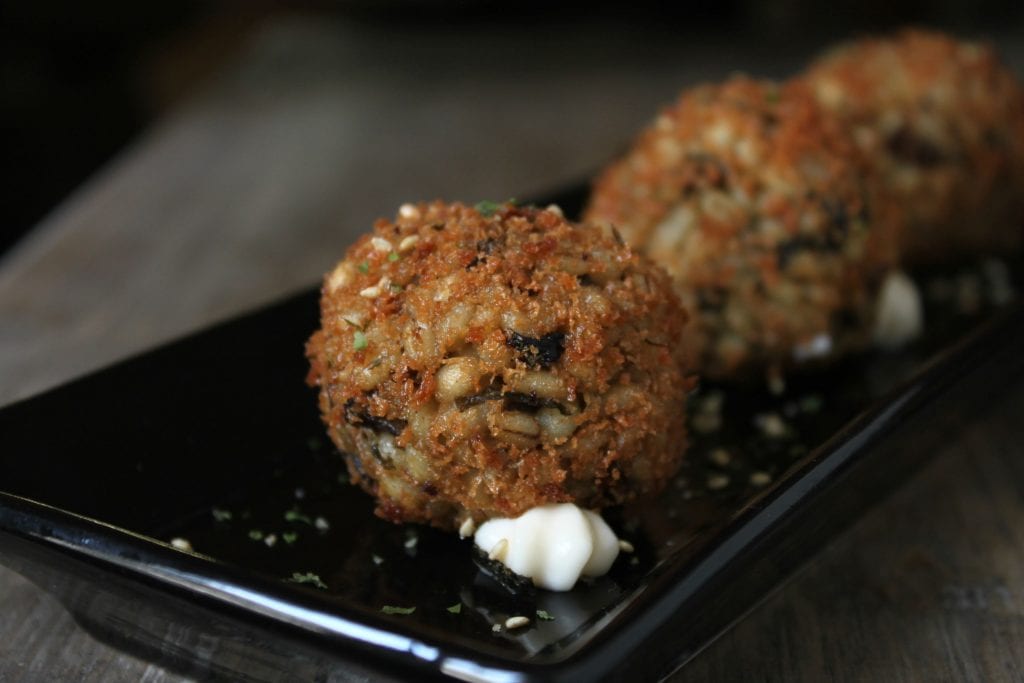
{"x": 455, "y": 609}
{"x": 389, "y": 609}
{"x": 487, "y": 208}
{"x": 544, "y": 616}
{"x": 811, "y": 403}
{"x": 221, "y": 515}
{"x": 308, "y": 577}
{"x": 395, "y": 289}
{"x": 364, "y": 267}
{"x": 294, "y": 515}
{"x": 289, "y": 537}
{"x": 358, "y": 340}
{"x": 256, "y": 535}
{"x": 393, "y": 256}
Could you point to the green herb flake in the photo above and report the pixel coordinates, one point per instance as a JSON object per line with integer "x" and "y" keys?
{"x": 544, "y": 616}
{"x": 393, "y": 256}
{"x": 289, "y": 537}
{"x": 358, "y": 340}
{"x": 389, "y": 609}
{"x": 487, "y": 208}
{"x": 294, "y": 515}
{"x": 221, "y": 515}
{"x": 308, "y": 578}
{"x": 455, "y": 609}
{"x": 772, "y": 96}
{"x": 364, "y": 267}
{"x": 256, "y": 535}
{"x": 811, "y": 403}
{"x": 395, "y": 289}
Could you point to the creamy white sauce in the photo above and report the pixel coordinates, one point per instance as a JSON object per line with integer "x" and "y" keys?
{"x": 553, "y": 545}
{"x": 818, "y": 346}
{"x": 899, "y": 316}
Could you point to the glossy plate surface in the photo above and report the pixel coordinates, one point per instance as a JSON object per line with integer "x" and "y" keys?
{"x": 216, "y": 440}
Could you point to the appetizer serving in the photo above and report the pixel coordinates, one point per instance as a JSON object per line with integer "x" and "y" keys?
{"x": 786, "y": 212}
{"x": 477, "y": 363}
{"x": 501, "y": 371}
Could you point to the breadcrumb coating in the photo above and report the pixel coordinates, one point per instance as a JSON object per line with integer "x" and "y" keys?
{"x": 942, "y": 121}
{"x": 756, "y": 201}
{"x": 478, "y": 362}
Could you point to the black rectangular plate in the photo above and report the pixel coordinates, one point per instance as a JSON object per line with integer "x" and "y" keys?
{"x": 216, "y": 439}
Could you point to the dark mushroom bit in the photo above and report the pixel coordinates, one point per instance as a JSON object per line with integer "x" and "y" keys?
{"x": 478, "y": 362}
{"x": 542, "y": 352}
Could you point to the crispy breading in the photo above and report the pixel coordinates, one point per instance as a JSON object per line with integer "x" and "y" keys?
{"x": 942, "y": 120}
{"x": 477, "y": 363}
{"x": 755, "y": 200}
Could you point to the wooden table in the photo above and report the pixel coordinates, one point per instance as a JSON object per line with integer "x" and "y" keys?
{"x": 255, "y": 186}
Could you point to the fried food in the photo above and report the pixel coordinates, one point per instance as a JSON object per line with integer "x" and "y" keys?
{"x": 942, "y": 121}
{"x": 478, "y": 362}
{"x": 759, "y": 204}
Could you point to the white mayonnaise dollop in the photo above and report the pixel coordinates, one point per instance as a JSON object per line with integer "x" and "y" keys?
{"x": 899, "y": 316}
{"x": 553, "y": 545}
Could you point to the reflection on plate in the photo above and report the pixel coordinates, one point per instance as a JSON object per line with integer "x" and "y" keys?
{"x": 216, "y": 440}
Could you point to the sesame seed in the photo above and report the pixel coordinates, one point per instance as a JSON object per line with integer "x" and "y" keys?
{"x": 499, "y": 550}
{"x": 720, "y": 457}
{"x": 353, "y": 319}
{"x": 381, "y": 244}
{"x": 370, "y": 292}
{"x": 496, "y": 628}
{"x": 411, "y": 542}
{"x": 517, "y": 622}
{"x": 717, "y": 482}
{"x": 408, "y": 211}
{"x": 339, "y": 277}
{"x": 408, "y": 243}
{"x": 625, "y": 546}
{"x": 712, "y": 403}
{"x": 705, "y": 423}
{"x": 270, "y": 540}
{"x": 321, "y": 524}
{"x": 181, "y": 544}
{"x": 467, "y": 528}
{"x": 772, "y": 425}
{"x": 555, "y": 209}
{"x": 776, "y": 384}
{"x": 760, "y": 478}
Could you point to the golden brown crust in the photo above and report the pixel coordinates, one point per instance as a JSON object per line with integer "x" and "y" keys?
{"x": 943, "y": 122}
{"x": 756, "y": 201}
{"x": 478, "y": 365}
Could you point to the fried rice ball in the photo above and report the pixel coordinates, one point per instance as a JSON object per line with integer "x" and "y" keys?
{"x": 943, "y": 121}
{"x": 758, "y": 204}
{"x": 477, "y": 362}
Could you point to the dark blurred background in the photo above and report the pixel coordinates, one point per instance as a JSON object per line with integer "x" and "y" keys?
{"x": 80, "y": 80}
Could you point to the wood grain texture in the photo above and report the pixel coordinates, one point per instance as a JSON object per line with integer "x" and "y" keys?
{"x": 259, "y": 183}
